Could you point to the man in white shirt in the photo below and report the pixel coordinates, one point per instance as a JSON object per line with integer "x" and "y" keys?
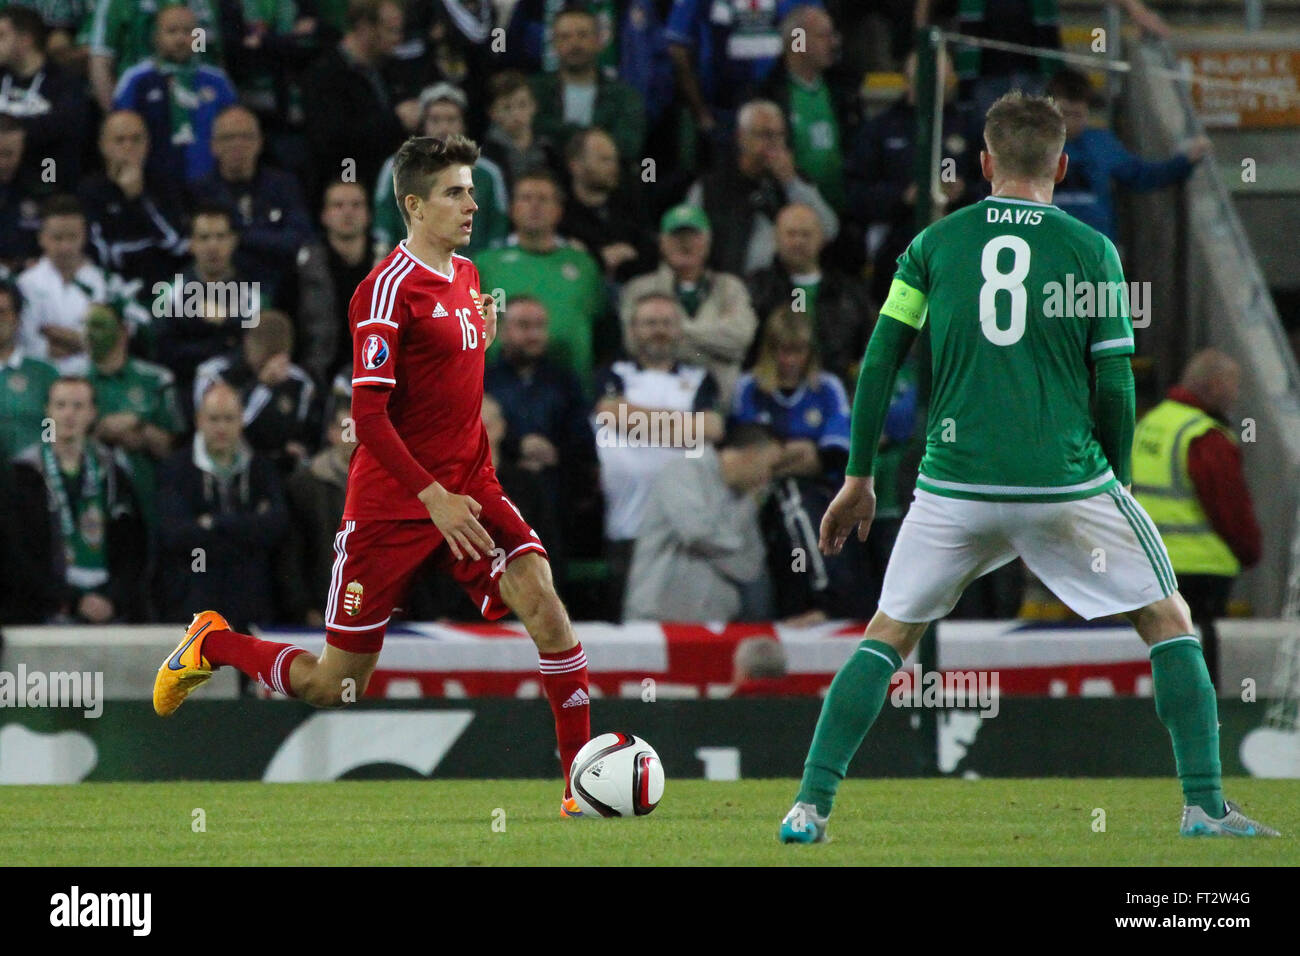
{"x": 59, "y": 289}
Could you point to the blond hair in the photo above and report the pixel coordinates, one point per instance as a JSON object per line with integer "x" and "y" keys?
{"x": 1025, "y": 134}
{"x": 784, "y": 326}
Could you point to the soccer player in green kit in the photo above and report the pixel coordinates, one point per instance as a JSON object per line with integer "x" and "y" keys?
{"x": 1015, "y": 463}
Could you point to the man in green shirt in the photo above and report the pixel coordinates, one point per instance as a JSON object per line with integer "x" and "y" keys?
{"x": 24, "y": 382}
{"x": 1026, "y": 307}
{"x": 138, "y": 410}
{"x": 537, "y": 261}
{"x": 577, "y": 95}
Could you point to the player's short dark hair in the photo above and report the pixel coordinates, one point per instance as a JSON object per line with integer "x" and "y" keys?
{"x": 61, "y": 204}
{"x": 506, "y": 83}
{"x": 8, "y": 123}
{"x": 28, "y": 22}
{"x": 1026, "y": 135}
{"x": 419, "y": 161}
{"x": 577, "y": 144}
{"x": 748, "y": 435}
{"x": 210, "y": 207}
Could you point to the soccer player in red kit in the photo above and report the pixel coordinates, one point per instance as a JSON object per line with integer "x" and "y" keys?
{"x": 421, "y": 484}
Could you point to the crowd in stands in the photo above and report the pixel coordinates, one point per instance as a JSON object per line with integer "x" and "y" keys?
{"x": 686, "y": 212}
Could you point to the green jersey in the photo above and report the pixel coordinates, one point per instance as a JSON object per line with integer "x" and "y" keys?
{"x": 149, "y": 391}
{"x": 123, "y": 29}
{"x": 1021, "y": 299}
{"x": 567, "y": 282}
{"x": 815, "y": 138}
{"x": 24, "y": 387}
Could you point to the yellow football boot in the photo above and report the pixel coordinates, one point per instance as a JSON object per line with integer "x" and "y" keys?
{"x": 187, "y": 668}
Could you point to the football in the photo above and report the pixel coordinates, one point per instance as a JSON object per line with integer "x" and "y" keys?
{"x": 617, "y": 775}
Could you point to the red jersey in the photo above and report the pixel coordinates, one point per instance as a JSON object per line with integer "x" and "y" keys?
{"x": 420, "y": 333}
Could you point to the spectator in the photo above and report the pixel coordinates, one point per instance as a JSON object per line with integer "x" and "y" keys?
{"x": 442, "y": 108}
{"x": 547, "y": 433}
{"x": 450, "y": 42}
{"x": 742, "y": 196}
{"x": 718, "y": 321}
{"x": 758, "y": 666}
{"x": 20, "y": 195}
{"x": 78, "y": 519}
{"x": 314, "y": 495}
{"x": 530, "y": 35}
{"x": 1098, "y": 158}
{"x": 279, "y": 399}
{"x": 510, "y": 141}
{"x": 58, "y": 290}
{"x": 136, "y": 224}
{"x": 177, "y": 97}
{"x": 608, "y": 221}
{"x": 1187, "y": 474}
{"x": 220, "y": 500}
{"x": 722, "y": 53}
{"x": 352, "y": 123}
{"x": 577, "y": 95}
{"x": 820, "y": 103}
{"x": 699, "y": 555}
{"x": 139, "y": 415}
{"x": 121, "y": 33}
{"x": 266, "y": 205}
{"x": 49, "y": 102}
{"x": 536, "y": 261}
{"x": 881, "y": 172}
{"x": 328, "y": 273}
{"x": 645, "y": 65}
{"x": 808, "y": 412}
{"x": 637, "y": 432}
{"x": 840, "y": 309}
{"x": 204, "y": 310}
{"x": 24, "y": 382}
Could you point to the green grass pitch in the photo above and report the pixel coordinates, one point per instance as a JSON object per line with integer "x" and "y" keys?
{"x": 450, "y": 822}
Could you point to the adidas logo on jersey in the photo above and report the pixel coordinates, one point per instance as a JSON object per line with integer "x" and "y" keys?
{"x": 578, "y": 698}
{"x": 439, "y": 312}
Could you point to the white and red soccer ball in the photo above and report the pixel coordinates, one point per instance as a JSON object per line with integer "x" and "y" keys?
{"x": 617, "y": 775}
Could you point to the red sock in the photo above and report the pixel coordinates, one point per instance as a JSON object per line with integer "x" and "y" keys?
{"x": 264, "y": 661}
{"x": 564, "y": 675}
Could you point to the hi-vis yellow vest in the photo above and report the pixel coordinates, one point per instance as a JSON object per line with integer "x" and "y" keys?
{"x": 1163, "y": 486}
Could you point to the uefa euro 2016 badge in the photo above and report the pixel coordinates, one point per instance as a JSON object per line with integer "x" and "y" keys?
{"x": 352, "y": 598}
{"x": 374, "y": 352}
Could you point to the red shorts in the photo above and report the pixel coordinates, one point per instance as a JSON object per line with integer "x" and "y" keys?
{"x": 374, "y": 561}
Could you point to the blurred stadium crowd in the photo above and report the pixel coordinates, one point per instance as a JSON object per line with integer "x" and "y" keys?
{"x": 688, "y": 206}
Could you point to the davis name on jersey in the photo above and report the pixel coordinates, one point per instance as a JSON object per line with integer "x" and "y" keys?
{"x": 420, "y": 333}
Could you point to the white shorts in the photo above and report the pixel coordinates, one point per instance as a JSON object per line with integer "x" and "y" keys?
{"x": 1100, "y": 555}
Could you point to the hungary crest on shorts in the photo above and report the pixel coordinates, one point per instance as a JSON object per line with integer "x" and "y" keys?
{"x": 352, "y": 598}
